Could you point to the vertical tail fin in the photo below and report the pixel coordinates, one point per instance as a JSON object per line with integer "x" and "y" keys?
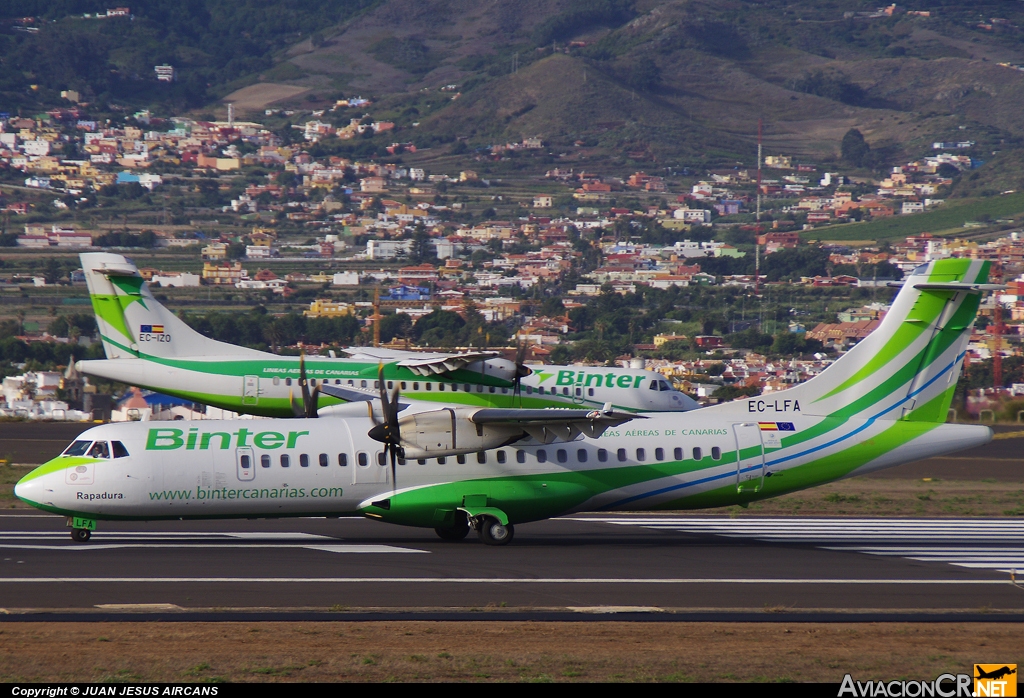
{"x": 908, "y": 367}
{"x": 132, "y": 323}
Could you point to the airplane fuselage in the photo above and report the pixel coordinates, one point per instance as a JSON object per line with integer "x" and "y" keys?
{"x": 330, "y": 467}
{"x": 269, "y": 384}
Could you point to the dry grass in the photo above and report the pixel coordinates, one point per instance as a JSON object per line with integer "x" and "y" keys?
{"x": 497, "y": 651}
{"x": 883, "y": 497}
{"x": 258, "y": 96}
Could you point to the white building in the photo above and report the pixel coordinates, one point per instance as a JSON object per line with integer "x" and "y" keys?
{"x": 180, "y": 280}
{"x": 387, "y": 249}
{"x": 346, "y": 278}
{"x": 692, "y": 215}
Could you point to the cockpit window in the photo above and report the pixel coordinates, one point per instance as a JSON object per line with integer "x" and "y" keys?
{"x": 78, "y": 448}
{"x": 653, "y": 385}
{"x": 99, "y": 450}
{"x": 664, "y": 386}
{"x": 119, "y": 450}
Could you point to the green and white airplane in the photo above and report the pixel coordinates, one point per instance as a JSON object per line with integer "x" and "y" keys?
{"x": 459, "y": 468}
{"x": 149, "y": 346}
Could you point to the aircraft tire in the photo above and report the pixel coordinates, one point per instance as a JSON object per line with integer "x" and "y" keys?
{"x": 80, "y": 535}
{"x": 456, "y": 532}
{"x": 492, "y": 532}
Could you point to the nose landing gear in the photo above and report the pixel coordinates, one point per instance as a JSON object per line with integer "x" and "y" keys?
{"x": 81, "y": 528}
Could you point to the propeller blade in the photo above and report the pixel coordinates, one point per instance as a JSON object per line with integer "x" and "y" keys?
{"x": 394, "y": 473}
{"x": 297, "y": 410}
{"x": 314, "y": 403}
{"x": 304, "y": 383}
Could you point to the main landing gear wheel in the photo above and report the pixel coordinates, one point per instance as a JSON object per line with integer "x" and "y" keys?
{"x": 493, "y": 532}
{"x": 80, "y": 535}
{"x": 458, "y": 531}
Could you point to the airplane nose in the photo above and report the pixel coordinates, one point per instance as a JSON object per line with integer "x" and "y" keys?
{"x": 32, "y": 489}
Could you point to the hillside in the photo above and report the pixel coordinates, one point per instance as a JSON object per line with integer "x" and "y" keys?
{"x": 666, "y": 82}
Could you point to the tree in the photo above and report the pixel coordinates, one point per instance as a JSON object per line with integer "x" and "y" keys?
{"x": 645, "y": 74}
{"x": 855, "y": 149}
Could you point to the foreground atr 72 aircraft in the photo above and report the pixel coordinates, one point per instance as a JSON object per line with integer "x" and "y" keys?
{"x": 148, "y": 346}
{"x": 882, "y": 404}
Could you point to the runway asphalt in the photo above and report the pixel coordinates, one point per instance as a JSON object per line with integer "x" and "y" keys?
{"x": 621, "y": 563}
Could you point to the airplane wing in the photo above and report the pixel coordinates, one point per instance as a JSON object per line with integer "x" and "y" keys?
{"x": 420, "y": 363}
{"x": 551, "y": 424}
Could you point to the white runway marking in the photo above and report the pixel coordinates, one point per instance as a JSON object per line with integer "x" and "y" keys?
{"x": 39, "y": 540}
{"x": 488, "y": 580}
{"x": 925, "y": 540}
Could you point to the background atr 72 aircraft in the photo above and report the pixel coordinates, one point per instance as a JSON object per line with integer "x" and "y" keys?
{"x": 147, "y": 345}
{"x": 882, "y": 404}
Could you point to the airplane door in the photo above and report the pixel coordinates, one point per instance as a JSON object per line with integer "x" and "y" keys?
{"x": 749, "y": 456}
{"x": 245, "y": 464}
{"x": 251, "y": 390}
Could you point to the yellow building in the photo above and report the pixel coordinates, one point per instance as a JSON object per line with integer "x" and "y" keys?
{"x": 328, "y": 308}
{"x": 223, "y": 274}
{"x": 661, "y": 339}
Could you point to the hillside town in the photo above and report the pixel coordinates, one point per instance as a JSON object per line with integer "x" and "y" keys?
{"x": 416, "y": 224}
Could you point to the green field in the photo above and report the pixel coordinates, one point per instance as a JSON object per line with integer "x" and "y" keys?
{"x": 953, "y": 214}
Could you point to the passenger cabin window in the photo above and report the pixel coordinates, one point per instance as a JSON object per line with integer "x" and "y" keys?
{"x": 542, "y": 456}
{"x": 325, "y": 460}
{"x": 442, "y": 460}
{"x": 481, "y": 457}
{"x": 421, "y": 461}
{"x": 520, "y": 456}
{"x": 265, "y": 460}
{"x": 602, "y": 455}
{"x": 590, "y": 392}
{"x": 304, "y": 460}
{"x": 677, "y": 453}
{"x": 286, "y": 460}
{"x": 716, "y": 453}
{"x": 343, "y": 459}
{"x": 245, "y": 462}
{"x": 416, "y": 386}
{"x": 461, "y": 460}
{"x": 99, "y": 450}
{"x": 562, "y": 455}
{"x": 277, "y": 380}
{"x": 501, "y": 456}
{"x": 287, "y": 381}
{"x": 119, "y": 450}
{"x": 391, "y": 385}
{"x": 77, "y": 448}
{"x": 641, "y": 454}
{"x": 428, "y": 385}
{"x": 621, "y": 454}
{"x": 697, "y": 454}
{"x": 659, "y": 454}
{"x": 382, "y": 459}
{"x": 362, "y": 459}
{"x": 581, "y": 455}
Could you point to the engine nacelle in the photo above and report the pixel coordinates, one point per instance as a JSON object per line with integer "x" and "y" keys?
{"x": 498, "y": 368}
{"x": 449, "y": 432}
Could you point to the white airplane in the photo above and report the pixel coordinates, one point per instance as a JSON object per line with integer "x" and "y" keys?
{"x": 149, "y": 346}
{"x": 459, "y": 468}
